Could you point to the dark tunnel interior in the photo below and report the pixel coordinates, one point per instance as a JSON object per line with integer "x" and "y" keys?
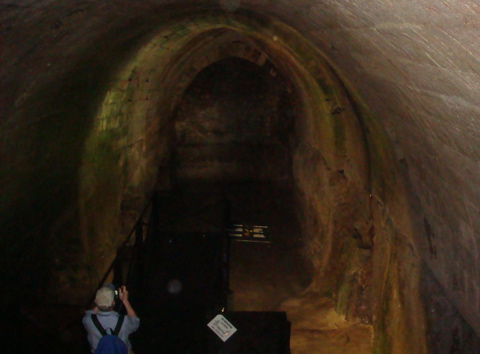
{"x": 315, "y": 163}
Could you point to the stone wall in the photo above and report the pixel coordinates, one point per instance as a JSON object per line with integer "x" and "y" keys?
{"x": 229, "y": 126}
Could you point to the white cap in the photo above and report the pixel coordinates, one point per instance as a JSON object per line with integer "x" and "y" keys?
{"x": 104, "y": 296}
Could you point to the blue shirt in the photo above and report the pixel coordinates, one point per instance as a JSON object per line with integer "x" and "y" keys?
{"x": 108, "y": 320}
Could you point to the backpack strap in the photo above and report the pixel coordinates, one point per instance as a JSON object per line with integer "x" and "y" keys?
{"x": 118, "y": 327}
{"x": 97, "y": 324}
{"x": 102, "y": 330}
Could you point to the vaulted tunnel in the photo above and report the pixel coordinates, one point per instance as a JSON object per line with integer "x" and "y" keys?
{"x": 342, "y": 114}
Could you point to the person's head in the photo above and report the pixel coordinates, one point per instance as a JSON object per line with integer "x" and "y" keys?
{"x": 105, "y": 298}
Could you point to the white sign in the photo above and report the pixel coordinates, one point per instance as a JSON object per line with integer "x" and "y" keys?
{"x": 222, "y": 328}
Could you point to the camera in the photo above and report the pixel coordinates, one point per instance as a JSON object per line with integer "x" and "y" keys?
{"x": 116, "y": 291}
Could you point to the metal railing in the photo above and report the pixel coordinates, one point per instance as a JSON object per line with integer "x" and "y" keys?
{"x": 136, "y": 230}
{"x": 55, "y": 337}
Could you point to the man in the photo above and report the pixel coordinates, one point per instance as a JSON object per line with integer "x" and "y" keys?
{"x": 108, "y": 318}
